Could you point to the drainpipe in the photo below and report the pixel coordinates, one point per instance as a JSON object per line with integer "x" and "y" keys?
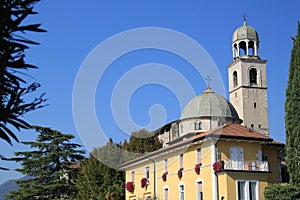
{"x": 213, "y": 175}
{"x": 154, "y": 174}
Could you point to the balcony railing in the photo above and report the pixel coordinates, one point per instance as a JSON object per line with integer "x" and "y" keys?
{"x": 254, "y": 165}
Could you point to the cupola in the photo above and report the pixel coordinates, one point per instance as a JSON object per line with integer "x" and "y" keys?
{"x": 245, "y": 42}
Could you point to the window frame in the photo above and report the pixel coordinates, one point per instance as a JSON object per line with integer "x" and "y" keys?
{"x": 180, "y": 161}
{"x": 235, "y": 79}
{"x": 253, "y": 74}
{"x": 166, "y": 193}
{"x": 165, "y": 165}
{"x": 247, "y": 189}
{"x": 147, "y": 173}
{"x": 132, "y": 173}
{"x": 198, "y": 156}
{"x": 181, "y": 190}
{"x": 199, "y": 181}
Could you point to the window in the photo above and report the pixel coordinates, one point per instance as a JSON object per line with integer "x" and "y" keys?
{"x": 181, "y": 192}
{"x": 147, "y": 173}
{"x": 199, "y": 190}
{"x": 241, "y": 190}
{"x": 237, "y": 158}
{"x": 132, "y": 176}
{"x": 198, "y": 126}
{"x": 247, "y": 190}
{"x": 253, "y": 76}
{"x": 166, "y": 193}
{"x": 180, "y": 161}
{"x": 198, "y": 155}
{"x": 252, "y": 191}
{"x": 264, "y": 157}
{"x": 235, "y": 79}
{"x": 166, "y": 165}
{"x": 254, "y": 105}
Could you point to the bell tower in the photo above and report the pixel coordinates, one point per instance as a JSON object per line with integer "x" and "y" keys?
{"x": 247, "y": 80}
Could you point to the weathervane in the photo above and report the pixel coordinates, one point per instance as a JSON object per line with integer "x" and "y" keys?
{"x": 208, "y": 79}
{"x": 244, "y": 15}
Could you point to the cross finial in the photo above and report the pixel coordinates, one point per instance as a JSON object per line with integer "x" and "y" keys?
{"x": 244, "y": 15}
{"x": 208, "y": 79}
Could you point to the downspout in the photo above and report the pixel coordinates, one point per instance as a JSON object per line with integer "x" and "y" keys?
{"x": 213, "y": 175}
{"x": 154, "y": 174}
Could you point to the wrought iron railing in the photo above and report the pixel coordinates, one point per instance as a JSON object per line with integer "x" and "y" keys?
{"x": 254, "y": 165}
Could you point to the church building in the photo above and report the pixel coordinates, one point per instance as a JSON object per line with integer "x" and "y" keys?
{"x": 219, "y": 149}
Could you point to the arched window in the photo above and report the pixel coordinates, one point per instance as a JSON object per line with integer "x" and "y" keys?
{"x": 251, "y": 48}
{"x": 242, "y": 48}
{"x": 253, "y": 76}
{"x": 235, "y": 79}
{"x": 198, "y": 126}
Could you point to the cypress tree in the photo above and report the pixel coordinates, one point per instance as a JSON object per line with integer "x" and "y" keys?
{"x": 292, "y": 116}
{"x": 51, "y": 166}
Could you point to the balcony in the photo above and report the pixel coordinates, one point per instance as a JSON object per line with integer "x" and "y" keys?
{"x": 254, "y": 165}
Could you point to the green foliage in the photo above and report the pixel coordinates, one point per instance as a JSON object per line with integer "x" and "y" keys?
{"x": 100, "y": 178}
{"x": 13, "y": 88}
{"x": 98, "y": 181}
{"x": 141, "y": 142}
{"x": 292, "y": 117}
{"x": 282, "y": 192}
{"x": 51, "y": 164}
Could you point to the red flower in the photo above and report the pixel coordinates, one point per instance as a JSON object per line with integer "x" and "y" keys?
{"x": 130, "y": 186}
{"x": 179, "y": 173}
{"x": 218, "y": 166}
{"x": 197, "y": 168}
{"x": 143, "y": 182}
{"x": 164, "y": 176}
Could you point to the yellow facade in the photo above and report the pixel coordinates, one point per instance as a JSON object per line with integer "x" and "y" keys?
{"x": 221, "y": 185}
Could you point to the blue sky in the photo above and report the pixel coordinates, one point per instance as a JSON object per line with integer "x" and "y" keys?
{"x": 75, "y": 28}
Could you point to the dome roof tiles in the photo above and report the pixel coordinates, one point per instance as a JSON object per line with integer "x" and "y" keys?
{"x": 245, "y": 32}
{"x": 209, "y": 104}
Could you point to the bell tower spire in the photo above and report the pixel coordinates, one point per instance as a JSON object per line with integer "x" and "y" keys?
{"x": 247, "y": 80}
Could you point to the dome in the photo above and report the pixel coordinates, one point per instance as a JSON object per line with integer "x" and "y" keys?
{"x": 209, "y": 104}
{"x": 245, "y": 32}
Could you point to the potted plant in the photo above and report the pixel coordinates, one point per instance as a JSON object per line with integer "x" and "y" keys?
{"x": 179, "y": 173}
{"x": 164, "y": 176}
{"x": 218, "y": 166}
{"x": 130, "y": 186}
{"x": 144, "y": 182}
{"x": 197, "y": 168}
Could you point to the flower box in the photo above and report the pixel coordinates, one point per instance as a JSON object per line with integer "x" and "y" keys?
{"x": 164, "y": 176}
{"x": 197, "y": 168}
{"x": 144, "y": 182}
{"x": 179, "y": 173}
{"x": 130, "y": 186}
{"x": 218, "y": 166}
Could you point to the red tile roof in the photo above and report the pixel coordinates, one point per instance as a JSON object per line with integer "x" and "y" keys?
{"x": 237, "y": 131}
{"x": 227, "y": 131}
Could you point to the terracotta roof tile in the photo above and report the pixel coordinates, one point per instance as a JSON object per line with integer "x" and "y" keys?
{"x": 230, "y": 131}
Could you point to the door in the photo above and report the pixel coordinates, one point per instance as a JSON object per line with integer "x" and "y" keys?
{"x": 237, "y": 158}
